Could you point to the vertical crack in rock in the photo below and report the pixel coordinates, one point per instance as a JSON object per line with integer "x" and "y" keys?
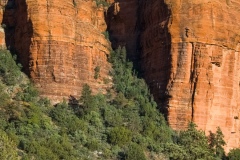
{"x": 195, "y": 71}
{"x": 193, "y": 84}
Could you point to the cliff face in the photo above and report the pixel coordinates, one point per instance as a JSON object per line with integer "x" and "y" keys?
{"x": 189, "y": 57}
{"x": 2, "y": 33}
{"x": 189, "y": 52}
{"x": 211, "y": 44}
{"x": 60, "y": 44}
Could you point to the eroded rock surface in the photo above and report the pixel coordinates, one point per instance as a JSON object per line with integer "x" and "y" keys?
{"x": 189, "y": 52}
{"x": 196, "y": 76}
{"x": 60, "y": 44}
{"x": 189, "y": 57}
{"x": 2, "y": 33}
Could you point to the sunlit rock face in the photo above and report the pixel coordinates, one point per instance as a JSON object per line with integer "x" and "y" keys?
{"x": 191, "y": 61}
{"x": 59, "y": 43}
{"x": 2, "y": 26}
{"x": 189, "y": 54}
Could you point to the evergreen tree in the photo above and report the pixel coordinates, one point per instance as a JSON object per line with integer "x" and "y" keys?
{"x": 135, "y": 152}
{"x": 216, "y": 143}
{"x": 125, "y": 123}
{"x": 195, "y": 143}
{"x": 234, "y": 154}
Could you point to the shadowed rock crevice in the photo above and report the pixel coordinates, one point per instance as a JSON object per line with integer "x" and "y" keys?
{"x": 155, "y": 47}
{"x": 121, "y": 19}
{"x": 142, "y": 26}
{"x": 18, "y": 31}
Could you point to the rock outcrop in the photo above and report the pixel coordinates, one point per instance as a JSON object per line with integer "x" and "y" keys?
{"x": 189, "y": 57}
{"x": 2, "y": 33}
{"x": 60, "y": 44}
{"x": 189, "y": 52}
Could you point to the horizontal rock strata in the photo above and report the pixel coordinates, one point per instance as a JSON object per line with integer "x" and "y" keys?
{"x": 59, "y": 43}
{"x": 189, "y": 58}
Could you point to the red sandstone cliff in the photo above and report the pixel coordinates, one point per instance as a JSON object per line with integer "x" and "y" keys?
{"x": 2, "y": 33}
{"x": 204, "y": 79}
{"x": 190, "y": 59}
{"x": 59, "y": 44}
{"x": 189, "y": 52}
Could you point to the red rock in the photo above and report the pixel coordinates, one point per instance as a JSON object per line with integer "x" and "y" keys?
{"x": 2, "y": 33}
{"x": 60, "y": 43}
{"x": 190, "y": 58}
{"x": 189, "y": 53}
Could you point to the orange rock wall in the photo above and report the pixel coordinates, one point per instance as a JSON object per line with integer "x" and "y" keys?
{"x": 189, "y": 58}
{"x": 2, "y": 33}
{"x": 60, "y": 43}
{"x": 196, "y": 76}
{"x": 189, "y": 52}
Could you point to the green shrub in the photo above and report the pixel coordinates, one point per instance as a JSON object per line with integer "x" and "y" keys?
{"x": 106, "y": 35}
{"x": 4, "y": 97}
{"x": 92, "y": 144}
{"x": 8, "y": 150}
{"x": 195, "y": 143}
{"x": 96, "y": 72}
{"x": 216, "y": 143}
{"x": 174, "y": 151}
{"x": 234, "y": 154}
{"x": 9, "y": 71}
{"x": 104, "y": 3}
{"x": 135, "y": 152}
{"x": 112, "y": 116}
{"x": 120, "y": 136}
{"x": 28, "y": 94}
{"x": 125, "y": 125}
{"x": 65, "y": 117}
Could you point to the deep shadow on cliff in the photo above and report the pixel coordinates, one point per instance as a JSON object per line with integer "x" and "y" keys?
{"x": 18, "y": 31}
{"x": 142, "y": 27}
{"x": 121, "y": 19}
{"x": 155, "y": 47}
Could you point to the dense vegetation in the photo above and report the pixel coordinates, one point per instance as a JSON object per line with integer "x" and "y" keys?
{"x": 124, "y": 124}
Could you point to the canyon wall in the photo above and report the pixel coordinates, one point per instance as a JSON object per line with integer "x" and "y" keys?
{"x": 191, "y": 61}
{"x": 188, "y": 51}
{"x": 60, "y": 44}
{"x": 208, "y": 58}
{"x": 189, "y": 54}
{"x": 2, "y": 33}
